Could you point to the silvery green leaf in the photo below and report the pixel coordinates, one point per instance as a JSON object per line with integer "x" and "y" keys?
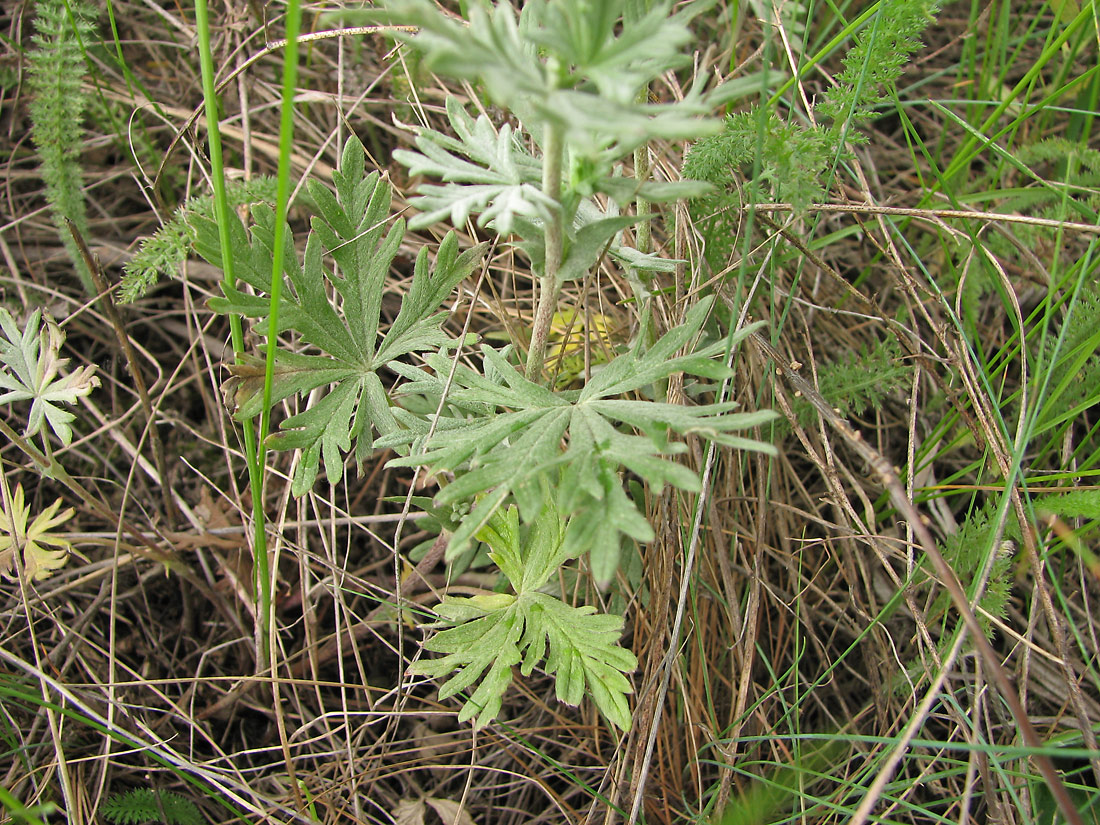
{"x": 485, "y": 172}
{"x": 577, "y": 65}
{"x": 629, "y": 257}
{"x": 615, "y": 57}
{"x": 497, "y": 156}
{"x": 608, "y": 131}
{"x": 589, "y": 242}
{"x": 535, "y": 432}
{"x": 584, "y": 655}
{"x": 624, "y": 190}
{"x": 494, "y": 47}
{"x": 499, "y": 205}
{"x": 527, "y": 563}
{"x": 34, "y": 373}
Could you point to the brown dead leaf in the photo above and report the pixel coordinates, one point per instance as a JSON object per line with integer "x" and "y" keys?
{"x": 452, "y": 813}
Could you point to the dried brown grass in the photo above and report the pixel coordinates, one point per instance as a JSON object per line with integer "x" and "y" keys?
{"x": 796, "y": 557}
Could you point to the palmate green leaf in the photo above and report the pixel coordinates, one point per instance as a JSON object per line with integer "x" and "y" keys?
{"x": 352, "y": 228}
{"x": 528, "y": 565}
{"x": 33, "y": 373}
{"x": 485, "y": 643}
{"x": 485, "y": 636}
{"x": 511, "y": 452}
{"x": 584, "y": 654}
{"x": 598, "y": 529}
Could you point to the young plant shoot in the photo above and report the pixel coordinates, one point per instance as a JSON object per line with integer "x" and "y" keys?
{"x": 537, "y": 472}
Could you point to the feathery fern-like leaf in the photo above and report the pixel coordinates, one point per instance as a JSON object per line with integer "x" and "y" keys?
{"x": 56, "y": 69}
{"x": 965, "y": 552}
{"x": 145, "y": 805}
{"x": 858, "y": 382}
{"x": 164, "y": 251}
{"x": 784, "y": 160}
{"x": 878, "y": 58}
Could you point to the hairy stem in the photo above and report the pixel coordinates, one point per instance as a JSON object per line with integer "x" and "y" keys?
{"x": 643, "y": 235}
{"x": 641, "y": 205}
{"x": 549, "y": 285}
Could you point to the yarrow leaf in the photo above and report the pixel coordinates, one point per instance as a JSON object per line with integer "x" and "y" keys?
{"x": 148, "y": 804}
{"x": 881, "y": 53}
{"x": 56, "y": 68}
{"x": 165, "y": 250}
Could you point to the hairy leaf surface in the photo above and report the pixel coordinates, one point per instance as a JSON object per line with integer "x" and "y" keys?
{"x": 34, "y": 373}
{"x": 588, "y": 435}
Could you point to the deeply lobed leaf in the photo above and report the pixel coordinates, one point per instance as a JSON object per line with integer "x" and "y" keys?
{"x": 577, "y": 65}
{"x": 43, "y": 551}
{"x": 536, "y": 431}
{"x": 488, "y": 173}
{"x": 492, "y": 633}
{"x": 33, "y": 373}
{"x": 351, "y": 228}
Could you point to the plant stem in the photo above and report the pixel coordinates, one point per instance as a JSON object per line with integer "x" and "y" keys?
{"x": 643, "y": 232}
{"x": 222, "y": 215}
{"x": 643, "y": 236}
{"x": 549, "y": 284}
{"x": 111, "y": 311}
{"x": 286, "y": 136}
